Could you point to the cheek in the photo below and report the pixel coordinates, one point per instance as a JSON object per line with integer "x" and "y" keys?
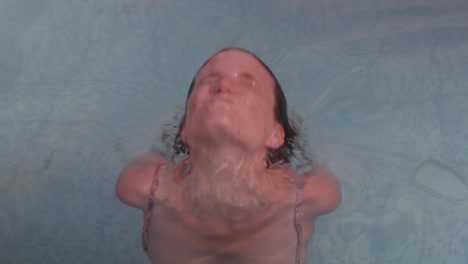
{"x": 260, "y": 115}
{"x": 195, "y": 108}
{"x": 266, "y": 109}
{"x": 194, "y": 102}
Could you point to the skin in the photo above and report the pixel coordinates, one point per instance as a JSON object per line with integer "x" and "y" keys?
{"x": 244, "y": 209}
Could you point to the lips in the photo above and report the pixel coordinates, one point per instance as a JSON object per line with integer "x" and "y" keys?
{"x": 223, "y": 100}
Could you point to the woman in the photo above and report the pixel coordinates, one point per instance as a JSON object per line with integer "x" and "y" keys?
{"x": 235, "y": 198}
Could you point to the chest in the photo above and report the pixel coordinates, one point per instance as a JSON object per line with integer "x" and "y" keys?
{"x": 176, "y": 236}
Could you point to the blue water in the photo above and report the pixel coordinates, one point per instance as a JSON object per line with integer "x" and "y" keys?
{"x": 383, "y": 86}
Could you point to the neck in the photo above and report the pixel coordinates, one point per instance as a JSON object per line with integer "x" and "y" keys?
{"x": 210, "y": 162}
{"x": 229, "y": 182}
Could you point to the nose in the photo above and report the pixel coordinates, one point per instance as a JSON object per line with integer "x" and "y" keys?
{"x": 227, "y": 84}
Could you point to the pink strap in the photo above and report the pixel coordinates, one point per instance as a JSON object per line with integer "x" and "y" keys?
{"x": 297, "y": 224}
{"x": 154, "y": 186}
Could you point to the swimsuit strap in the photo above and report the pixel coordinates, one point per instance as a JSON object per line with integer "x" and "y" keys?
{"x": 154, "y": 185}
{"x": 298, "y": 224}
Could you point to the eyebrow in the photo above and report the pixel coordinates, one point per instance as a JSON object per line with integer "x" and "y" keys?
{"x": 244, "y": 74}
{"x": 212, "y": 74}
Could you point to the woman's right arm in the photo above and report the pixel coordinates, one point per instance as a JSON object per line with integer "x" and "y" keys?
{"x": 134, "y": 184}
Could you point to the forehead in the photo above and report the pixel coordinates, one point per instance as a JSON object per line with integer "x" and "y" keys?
{"x": 236, "y": 61}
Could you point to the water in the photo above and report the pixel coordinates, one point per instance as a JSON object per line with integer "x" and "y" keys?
{"x": 381, "y": 86}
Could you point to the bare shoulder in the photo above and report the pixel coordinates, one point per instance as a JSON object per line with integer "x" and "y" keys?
{"x": 321, "y": 191}
{"x": 134, "y": 183}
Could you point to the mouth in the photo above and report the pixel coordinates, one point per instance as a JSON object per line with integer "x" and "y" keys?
{"x": 223, "y": 100}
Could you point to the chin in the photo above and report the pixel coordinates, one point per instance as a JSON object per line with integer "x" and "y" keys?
{"x": 221, "y": 128}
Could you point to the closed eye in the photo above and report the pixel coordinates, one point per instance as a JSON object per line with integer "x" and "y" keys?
{"x": 245, "y": 79}
{"x": 209, "y": 79}
{"x": 248, "y": 79}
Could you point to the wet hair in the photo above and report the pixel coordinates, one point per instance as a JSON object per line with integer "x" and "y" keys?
{"x": 281, "y": 155}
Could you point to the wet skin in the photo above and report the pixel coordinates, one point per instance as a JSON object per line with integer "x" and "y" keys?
{"x": 230, "y": 120}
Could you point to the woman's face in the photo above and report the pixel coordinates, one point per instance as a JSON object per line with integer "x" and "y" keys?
{"x": 233, "y": 99}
